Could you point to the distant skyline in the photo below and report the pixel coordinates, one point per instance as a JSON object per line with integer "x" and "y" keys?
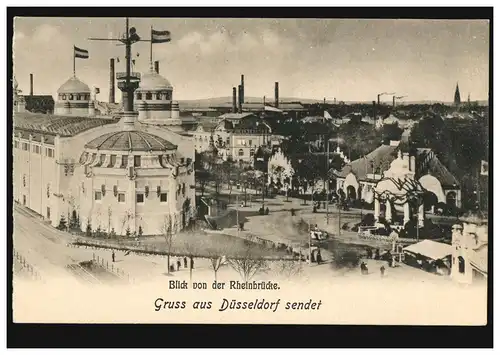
{"x": 350, "y": 60}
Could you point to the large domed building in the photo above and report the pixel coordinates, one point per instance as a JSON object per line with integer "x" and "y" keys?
{"x": 154, "y": 100}
{"x": 121, "y": 175}
{"x": 73, "y": 98}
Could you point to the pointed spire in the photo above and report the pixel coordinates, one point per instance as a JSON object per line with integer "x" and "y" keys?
{"x": 456, "y": 100}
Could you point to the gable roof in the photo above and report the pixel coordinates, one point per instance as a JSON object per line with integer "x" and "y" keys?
{"x": 430, "y": 249}
{"x": 381, "y": 157}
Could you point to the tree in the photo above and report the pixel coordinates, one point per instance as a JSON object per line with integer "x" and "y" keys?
{"x": 168, "y": 229}
{"x": 217, "y": 259}
{"x": 247, "y": 179}
{"x": 288, "y": 267}
{"x": 110, "y": 213}
{"x": 247, "y": 262}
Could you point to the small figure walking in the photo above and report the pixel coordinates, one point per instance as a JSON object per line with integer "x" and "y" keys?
{"x": 192, "y": 263}
{"x": 382, "y": 271}
{"x": 178, "y": 264}
{"x": 185, "y": 263}
{"x": 318, "y": 257}
{"x": 113, "y": 256}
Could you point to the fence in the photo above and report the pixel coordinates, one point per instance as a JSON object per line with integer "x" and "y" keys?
{"x": 111, "y": 268}
{"x": 387, "y": 239}
{"x": 32, "y": 272}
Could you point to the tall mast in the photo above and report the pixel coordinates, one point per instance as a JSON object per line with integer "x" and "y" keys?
{"x": 128, "y": 50}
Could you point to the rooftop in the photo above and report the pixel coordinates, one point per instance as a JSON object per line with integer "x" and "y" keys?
{"x": 130, "y": 141}
{"x": 430, "y": 249}
{"x": 65, "y": 126}
{"x": 73, "y": 85}
{"x": 154, "y": 81}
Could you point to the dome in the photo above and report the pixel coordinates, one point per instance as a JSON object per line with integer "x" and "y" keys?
{"x": 130, "y": 141}
{"x": 73, "y": 85}
{"x": 154, "y": 81}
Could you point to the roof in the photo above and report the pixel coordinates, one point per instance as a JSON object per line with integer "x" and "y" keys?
{"x": 130, "y": 141}
{"x": 272, "y": 109}
{"x": 236, "y": 116}
{"x": 259, "y": 106}
{"x": 154, "y": 81}
{"x": 381, "y": 157}
{"x": 438, "y": 170}
{"x": 431, "y": 249}
{"x": 207, "y": 125}
{"x": 73, "y": 85}
{"x": 65, "y": 126}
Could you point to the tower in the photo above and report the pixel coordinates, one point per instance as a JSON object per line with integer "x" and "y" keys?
{"x": 456, "y": 100}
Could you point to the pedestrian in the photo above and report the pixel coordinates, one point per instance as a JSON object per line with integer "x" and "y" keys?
{"x": 318, "y": 257}
{"x": 178, "y": 264}
{"x": 382, "y": 271}
{"x": 192, "y": 263}
{"x": 185, "y": 263}
{"x": 113, "y": 256}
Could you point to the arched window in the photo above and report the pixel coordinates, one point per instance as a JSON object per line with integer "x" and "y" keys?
{"x": 64, "y": 96}
{"x": 158, "y": 96}
{"x": 240, "y": 152}
{"x": 71, "y": 96}
{"x": 78, "y": 97}
{"x": 139, "y": 96}
{"x": 149, "y": 96}
{"x": 461, "y": 265}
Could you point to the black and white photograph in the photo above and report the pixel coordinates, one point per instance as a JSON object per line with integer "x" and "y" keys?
{"x": 219, "y": 170}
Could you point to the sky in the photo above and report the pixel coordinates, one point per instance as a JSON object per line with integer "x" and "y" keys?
{"x": 350, "y": 60}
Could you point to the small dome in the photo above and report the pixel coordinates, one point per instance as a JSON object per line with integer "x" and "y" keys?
{"x": 130, "y": 141}
{"x": 73, "y": 85}
{"x": 154, "y": 81}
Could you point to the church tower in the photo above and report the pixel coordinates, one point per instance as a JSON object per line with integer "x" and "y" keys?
{"x": 456, "y": 100}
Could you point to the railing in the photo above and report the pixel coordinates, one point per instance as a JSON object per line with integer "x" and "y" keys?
{"x": 122, "y": 275}
{"x": 383, "y": 238}
{"x": 32, "y": 272}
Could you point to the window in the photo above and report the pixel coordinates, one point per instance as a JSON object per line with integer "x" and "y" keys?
{"x": 97, "y": 195}
{"x": 78, "y": 97}
{"x": 252, "y": 152}
{"x": 16, "y": 144}
{"x": 71, "y": 96}
{"x": 64, "y": 96}
{"x": 461, "y": 265}
{"x": 158, "y": 96}
{"x": 25, "y": 146}
{"x": 87, "y": 97}
{"x": 183, "y": 188}
{"x": 49, "y": 152}
{"x": 102, "y": 159}
{"x": 149, "y": 96}
{"x": 139, "y": 96}
{"x": 163, "y": 197}
{"x": 121, "y": 197}
{"x": 250, "y": 142}
{"x": 240, "y": 152}
{"x": 124, "y": 161}
{"x": 228, "y": 141}
{"x": 137, "y": 161}
{"x": 37, "y": 149}
{"x": 139, "y": 198}
{"x": 112, "y": 160}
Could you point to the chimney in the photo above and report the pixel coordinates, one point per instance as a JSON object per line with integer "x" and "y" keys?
{"x": 157, "y": 67}
{"x": 393, "y": 101}
{"x": 31, "y": 84}
{"x": 374, "y": 110}
{"x": 235, "y": 108}
{"x": 240, "y": 101}
{"x": 324, "y": 100}
{"x": 264, "y": 101}
{"x": 242, "y": 89}
{"x": 112, "y": 81}
{"x": 276, "y": 94}
{"x": 378, "y": 100}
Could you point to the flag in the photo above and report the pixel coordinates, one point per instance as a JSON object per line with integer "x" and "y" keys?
{"x": 160, "y": 36}
{"x": 81, "y": 53}
{"x": 327, "y": 115}
{"x": 484, "y": 167}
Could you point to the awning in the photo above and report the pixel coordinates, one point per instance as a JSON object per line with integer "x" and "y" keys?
{"x": 430, "y": 249}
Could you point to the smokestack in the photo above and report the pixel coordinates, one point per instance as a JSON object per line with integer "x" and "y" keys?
{"x": 324, "y": 100}
{"x": 264, "y": 101}
{"x": 374, "y": 111}
{"x": 240, "y": 102}
{"x": 112, "y": 81}
{"x": 393, "y": 101}
{"x": 31, "y": 84}
{"x": 242, "y": 89}
{"x": 378, "y": 100}
{"x": 157, "y": 67}
{"x": 276, "y": 94}
{"x": 235, "y": 108}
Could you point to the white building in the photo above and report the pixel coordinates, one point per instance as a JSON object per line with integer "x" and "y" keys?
{"x": 114, "y": 174}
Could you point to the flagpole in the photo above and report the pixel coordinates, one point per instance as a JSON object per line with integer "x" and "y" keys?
{"x": 74, "y": 60}
{"x": 151, "y": 49}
